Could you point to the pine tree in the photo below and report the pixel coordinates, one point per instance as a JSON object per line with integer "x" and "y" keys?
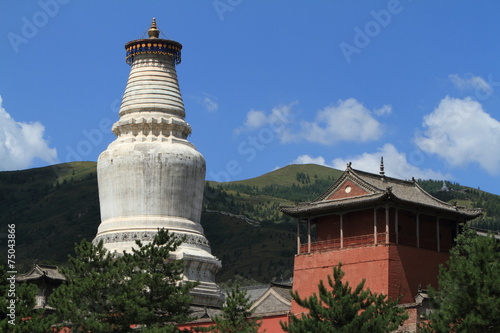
{"x": 156, "y": 278}
{"x": 468, "y": 298}
{"x": 90, "y": 299}
{"x": 342, "y": 309}
{"x": 109, "y": 293}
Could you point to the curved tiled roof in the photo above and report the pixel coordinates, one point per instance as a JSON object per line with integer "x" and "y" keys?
{"x": 39, "y": 271}
{"x": 380, "y": 189}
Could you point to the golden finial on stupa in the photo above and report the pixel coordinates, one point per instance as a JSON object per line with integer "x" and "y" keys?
{"x": 160, "y": 47}
{"x": 153, "y": 32}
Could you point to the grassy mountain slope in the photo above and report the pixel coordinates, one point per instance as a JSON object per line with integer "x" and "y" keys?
{"x": 56, "y": 206}
{"x": 259, "y": 198}
{"x": 287, "y": 176}
{"x": 52, "y": 208}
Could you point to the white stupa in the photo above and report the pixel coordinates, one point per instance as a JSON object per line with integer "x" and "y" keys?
{"x": 151, "y": 177}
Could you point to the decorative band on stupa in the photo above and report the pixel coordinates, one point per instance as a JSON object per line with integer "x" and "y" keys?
{"x": 153, "y": 45}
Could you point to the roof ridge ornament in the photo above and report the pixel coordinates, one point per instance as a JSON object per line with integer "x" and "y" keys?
{"x": 388, "y": 191}
{"x": 382, "y": 172}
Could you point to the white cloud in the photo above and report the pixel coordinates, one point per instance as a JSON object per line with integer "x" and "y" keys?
{"x": 276, "y": 120}
{"x": 461, "y": 132}
{"x": 469, "y": 82}
{"x": 384, "y": 110}
{"x": 306, "y": 159}
{"x": 256, "y": 119}
{"x": 396, "y": 164}
{"x": 209, "y": 102}
{"x": 348, "y": 120}
{"x": 21, "y": 143}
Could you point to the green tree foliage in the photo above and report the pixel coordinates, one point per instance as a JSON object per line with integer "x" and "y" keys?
{"x": 468, "y": 298}
{"x": 342, "y": 309}
{"x": 156, "y": 280}
{"x": 109, "y": 293}
{"x": 236, "y": 315}
{"x": 92, "y": 298}
{"x": 489, "y": 203}
{"x": 303, "y": 178}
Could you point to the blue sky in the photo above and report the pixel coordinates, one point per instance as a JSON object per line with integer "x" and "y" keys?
{"x": 266, "y": 83}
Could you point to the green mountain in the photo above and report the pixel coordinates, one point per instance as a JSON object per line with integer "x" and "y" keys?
{"x": 51, "y": 207}
{"x": 54, "y": 207}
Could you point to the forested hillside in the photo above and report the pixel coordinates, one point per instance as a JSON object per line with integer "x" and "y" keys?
{"x": 51, "y": 207}
{"x": 468, "y": 197}
{"x": 57, "y": 206}
{"x": 259, "y": 198}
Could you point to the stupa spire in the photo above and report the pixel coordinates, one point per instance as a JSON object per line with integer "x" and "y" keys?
{"x": 153, "y": 32}
{"x": 152, "y": 91}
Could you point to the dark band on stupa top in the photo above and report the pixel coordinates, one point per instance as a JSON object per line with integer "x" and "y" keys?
{"x": 153, "y": 45}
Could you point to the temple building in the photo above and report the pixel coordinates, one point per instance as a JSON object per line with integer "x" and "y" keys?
{"x": 385, "y": 230}
{"x": 46, "y": 278}
{"x": 151, "y": 176}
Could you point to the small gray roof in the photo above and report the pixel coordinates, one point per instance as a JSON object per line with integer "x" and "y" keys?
{"x": 254, "y": 292}
{"x": 40, "y": 271}
{"x": 200, "y": 314}
{"x": 379, "y": 189}
{"x": 267, "y": 300}
{"x": 276, "y": 299}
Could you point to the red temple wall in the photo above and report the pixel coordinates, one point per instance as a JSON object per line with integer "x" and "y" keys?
{"x": 389, "y": 269}
{"x": 328, "y": 227}
{"x": 358, "y": 263}
{"x": 354, "y": 224}
{"x": 271, "y": 324}
{"x": 411, "y": 267}
{"x": 428, "y": 232}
